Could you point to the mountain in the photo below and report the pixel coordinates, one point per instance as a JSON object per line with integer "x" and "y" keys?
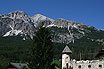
{"x": 19, "y": 23}
{"x": 16, "y": 23}
{"x": 68, "y": 31}
{"x": 38, "y": 18}
{"x": 18, "y": 28}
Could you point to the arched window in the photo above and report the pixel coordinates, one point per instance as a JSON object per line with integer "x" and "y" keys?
{"x": 79, "y": 66}
{"x": 66, "y": 65}
{"x": 89, "y": 66}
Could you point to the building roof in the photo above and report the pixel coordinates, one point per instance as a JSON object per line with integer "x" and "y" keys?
{"x": 67, "y": 50}
{"x": 19, "y": 65}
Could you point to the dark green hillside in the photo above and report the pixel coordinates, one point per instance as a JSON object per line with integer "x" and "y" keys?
{"x": 13, "y": 49}
{"x": 88, "y": 46}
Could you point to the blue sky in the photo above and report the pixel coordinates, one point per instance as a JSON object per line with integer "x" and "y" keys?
{"x": 90, "y": 12}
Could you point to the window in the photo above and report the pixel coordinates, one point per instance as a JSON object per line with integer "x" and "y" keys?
{"x": 79, "y": 66}
{"x": 89, "y": 66}
{"x": 67, "y": 65}
{"x": 100, "y": 66}
{"x": 66, "y": 57}
{"x": 19, "y": 64}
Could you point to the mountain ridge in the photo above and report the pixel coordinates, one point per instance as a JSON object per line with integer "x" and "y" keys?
{"x": 64, "y": 31}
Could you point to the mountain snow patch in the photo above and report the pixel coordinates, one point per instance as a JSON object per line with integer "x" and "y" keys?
{"x": 13, "y": 32}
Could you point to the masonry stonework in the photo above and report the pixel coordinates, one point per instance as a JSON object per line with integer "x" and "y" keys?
{"x": 67, "y": 62}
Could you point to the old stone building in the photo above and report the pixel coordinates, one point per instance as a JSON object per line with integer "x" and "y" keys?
{"x": 67, "y": 62}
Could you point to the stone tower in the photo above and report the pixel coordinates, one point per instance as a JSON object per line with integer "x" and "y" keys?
{"x": 66, "y": 58}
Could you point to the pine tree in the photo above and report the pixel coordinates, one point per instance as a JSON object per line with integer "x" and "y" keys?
{"x": 41, "y": 54}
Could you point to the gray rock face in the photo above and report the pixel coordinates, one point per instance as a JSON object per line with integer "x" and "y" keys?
{"x": 19, "y": 23}
{"x": 68, "y": 31}
{"x": 38, "y": 19}
{"x": 4, "y": 25}
{"x": 16, "y": 23}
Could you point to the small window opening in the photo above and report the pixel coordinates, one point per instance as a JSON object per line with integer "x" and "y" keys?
{"x": 100, "y": 66}
{"x": 66, "y": 65}
{"x": 89, "y": 66}
{"x": 79, "y": 66}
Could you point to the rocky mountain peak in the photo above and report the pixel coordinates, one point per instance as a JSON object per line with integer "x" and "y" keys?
{"x": 39, "y": 18}
{"x": 65, "y": 23}
{"x": 19, "y": 23}
{"x": 17, "y": 15}
{"x": 39, "y": 15}
{"x": 72, "y": 24}
{"x": 61, "y": 19}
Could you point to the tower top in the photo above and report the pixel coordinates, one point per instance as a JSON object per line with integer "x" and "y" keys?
{"x": 66, "y": 50}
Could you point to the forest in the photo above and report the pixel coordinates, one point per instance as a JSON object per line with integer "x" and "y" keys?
{"x": 13, "y": 49}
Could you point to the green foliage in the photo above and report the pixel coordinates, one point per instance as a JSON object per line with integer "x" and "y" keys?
{"x": 13, "y": 50}
{"x": 85, "y": 46}
{"x": 57, "y": 63}
{"x": 24, "y": 67}
{"x": 41, "y": 54}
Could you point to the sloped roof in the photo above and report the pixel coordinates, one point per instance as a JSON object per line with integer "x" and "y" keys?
{"x": 67, "y": 50}
{"x": 19, "y": 65}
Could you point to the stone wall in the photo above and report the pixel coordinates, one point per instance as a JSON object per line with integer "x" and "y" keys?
{"x": 65, "y": 61}
{"x": 88, "y": 64}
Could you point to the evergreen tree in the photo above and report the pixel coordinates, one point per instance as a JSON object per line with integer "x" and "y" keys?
{"x": 41, "y": 54}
